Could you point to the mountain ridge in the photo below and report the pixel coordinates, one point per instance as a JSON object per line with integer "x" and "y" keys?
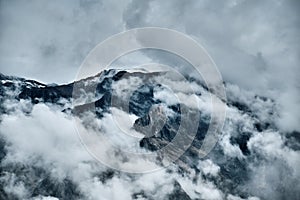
{"x": 243, "y": 124}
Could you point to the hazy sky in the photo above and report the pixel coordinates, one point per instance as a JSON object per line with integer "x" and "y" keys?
{"x": 255, "y": 43}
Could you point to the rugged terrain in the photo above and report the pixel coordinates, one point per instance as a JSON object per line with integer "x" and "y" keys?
{"x": 42, "y": 157}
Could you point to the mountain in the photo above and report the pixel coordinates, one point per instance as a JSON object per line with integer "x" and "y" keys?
{"x": 250, "y": 152}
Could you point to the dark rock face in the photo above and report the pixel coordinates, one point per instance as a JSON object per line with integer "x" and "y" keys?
{"x": 178, "y": 193}
{"x": 107, "y": 175}
{"x": 241, "y": 140}
{"x": 49, "y": 94}
{"x": 140, "y": 103}
{"x": 141, "y": 100}
{"x": 2, "y": 149}
{"x": 241, "y": 106}
{"x": 158, "y": 128}
{"x": 141, "y": 195}
{"x": 62, "y": 190}
{"x": 40, "y": 183}
{"x": 30, "y": 89}
{"x": 293, "y": 140}
{"x": 156, "y": 140}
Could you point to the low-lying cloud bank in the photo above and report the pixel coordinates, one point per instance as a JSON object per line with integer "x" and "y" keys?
{"x": 45, "y": 156}
{"x": 46, "y": 139}
{"x": 255, "y": 45}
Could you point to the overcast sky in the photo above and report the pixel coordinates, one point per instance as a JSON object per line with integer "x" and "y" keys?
{"x": 255, "y": 43}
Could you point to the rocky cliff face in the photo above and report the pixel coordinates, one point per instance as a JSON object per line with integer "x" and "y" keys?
{"x": 251, "y": 146}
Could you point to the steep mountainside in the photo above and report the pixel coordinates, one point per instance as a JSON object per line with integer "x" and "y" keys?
{"x": 41, "y": 156}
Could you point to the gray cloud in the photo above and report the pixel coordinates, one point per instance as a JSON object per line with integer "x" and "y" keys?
{"x": 254, "y": 43}
{"x": 48, "y": 40}
{"x": 270, "y": 171}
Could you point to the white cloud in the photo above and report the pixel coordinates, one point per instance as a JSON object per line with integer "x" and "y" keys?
{"x": 13, "y": 186}
{"x": 253, "y": 49}
{"x": 208, "y": 167}
{"x": 272, "y": 146}
{"x": 38, "y": 136}
{"x": 45, "y": 198}
{"x": 46, "y": 138}
{"x": 48, "y": 40}
{"x": 254, "y": 44}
